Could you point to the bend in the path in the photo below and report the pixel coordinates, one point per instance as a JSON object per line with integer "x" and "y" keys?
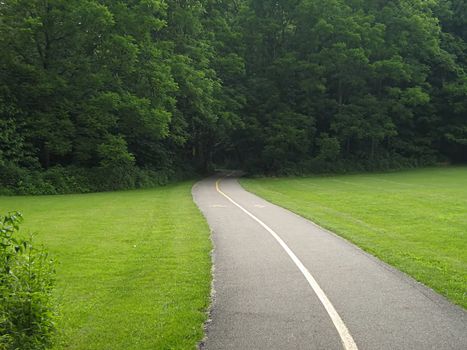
{"x": 263, "y": 301}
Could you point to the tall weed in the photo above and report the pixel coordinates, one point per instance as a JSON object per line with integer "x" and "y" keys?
{"x": 27, "y": 308}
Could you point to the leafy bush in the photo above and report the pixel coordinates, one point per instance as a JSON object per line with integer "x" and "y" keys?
{"x": 329, "y": 148}
{"x": 63, "y": 180}
{"x": 114, "y": 153}
{"x": 17, "y": 180}
{"x": 27, "y": 309}
{"x": 112, "y": 178}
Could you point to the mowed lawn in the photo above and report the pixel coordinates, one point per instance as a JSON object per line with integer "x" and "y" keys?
{"x": 414, "y": 220}
{"x": 133, "y": 267}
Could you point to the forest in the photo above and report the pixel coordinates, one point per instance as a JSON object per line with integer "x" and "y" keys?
{"x": 112, "y": 94}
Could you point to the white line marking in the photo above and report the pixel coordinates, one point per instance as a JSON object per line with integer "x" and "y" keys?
{"x": 346, "y": 338}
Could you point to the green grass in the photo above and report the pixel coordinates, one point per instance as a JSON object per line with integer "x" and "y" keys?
{"x": 134, "y": 267}
{"x": 414, "y": 220}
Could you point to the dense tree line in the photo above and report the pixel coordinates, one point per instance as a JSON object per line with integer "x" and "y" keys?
{"x": 100, "y": 94}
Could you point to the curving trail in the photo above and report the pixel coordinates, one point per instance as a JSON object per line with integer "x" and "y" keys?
{"x": 281, "y": 282}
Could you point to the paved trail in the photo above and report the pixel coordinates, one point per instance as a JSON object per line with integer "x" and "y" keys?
{"x": 283, "y": 283}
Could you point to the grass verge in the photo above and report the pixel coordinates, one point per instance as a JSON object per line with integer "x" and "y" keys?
{"x": 414, "y": 220}
{"x": 133, "y": 267}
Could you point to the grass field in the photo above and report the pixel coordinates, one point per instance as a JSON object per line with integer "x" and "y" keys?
{"x": 414, "y": 220}
{"x": 134, "y": 267}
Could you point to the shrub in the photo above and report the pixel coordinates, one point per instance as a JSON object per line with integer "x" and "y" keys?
{"x": 112, "y": 178}
{"x": 114, "y": 153}
{"x": 63, "y": 180}
{"x": 329, "y": 148}
{"x": 27, "y": 310}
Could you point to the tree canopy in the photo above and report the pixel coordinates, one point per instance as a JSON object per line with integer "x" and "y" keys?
{"x": 160, "y": 86}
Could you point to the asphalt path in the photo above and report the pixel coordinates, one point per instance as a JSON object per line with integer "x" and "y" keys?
{"x": 282, "y": 282}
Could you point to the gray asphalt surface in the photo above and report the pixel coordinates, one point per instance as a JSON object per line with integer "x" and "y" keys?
{"x": 261, "y": 300}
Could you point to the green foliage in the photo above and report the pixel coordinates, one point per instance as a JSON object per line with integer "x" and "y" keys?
{"x": 362, "y": 73}
{"x": 63, "y": 180}
{"x": 329, "y": 148}
{"x": 114, "y": 153}
{"x": 11, "y": 144}
{"x": 27, "y": 278}
{"x": 252, "y": 83}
